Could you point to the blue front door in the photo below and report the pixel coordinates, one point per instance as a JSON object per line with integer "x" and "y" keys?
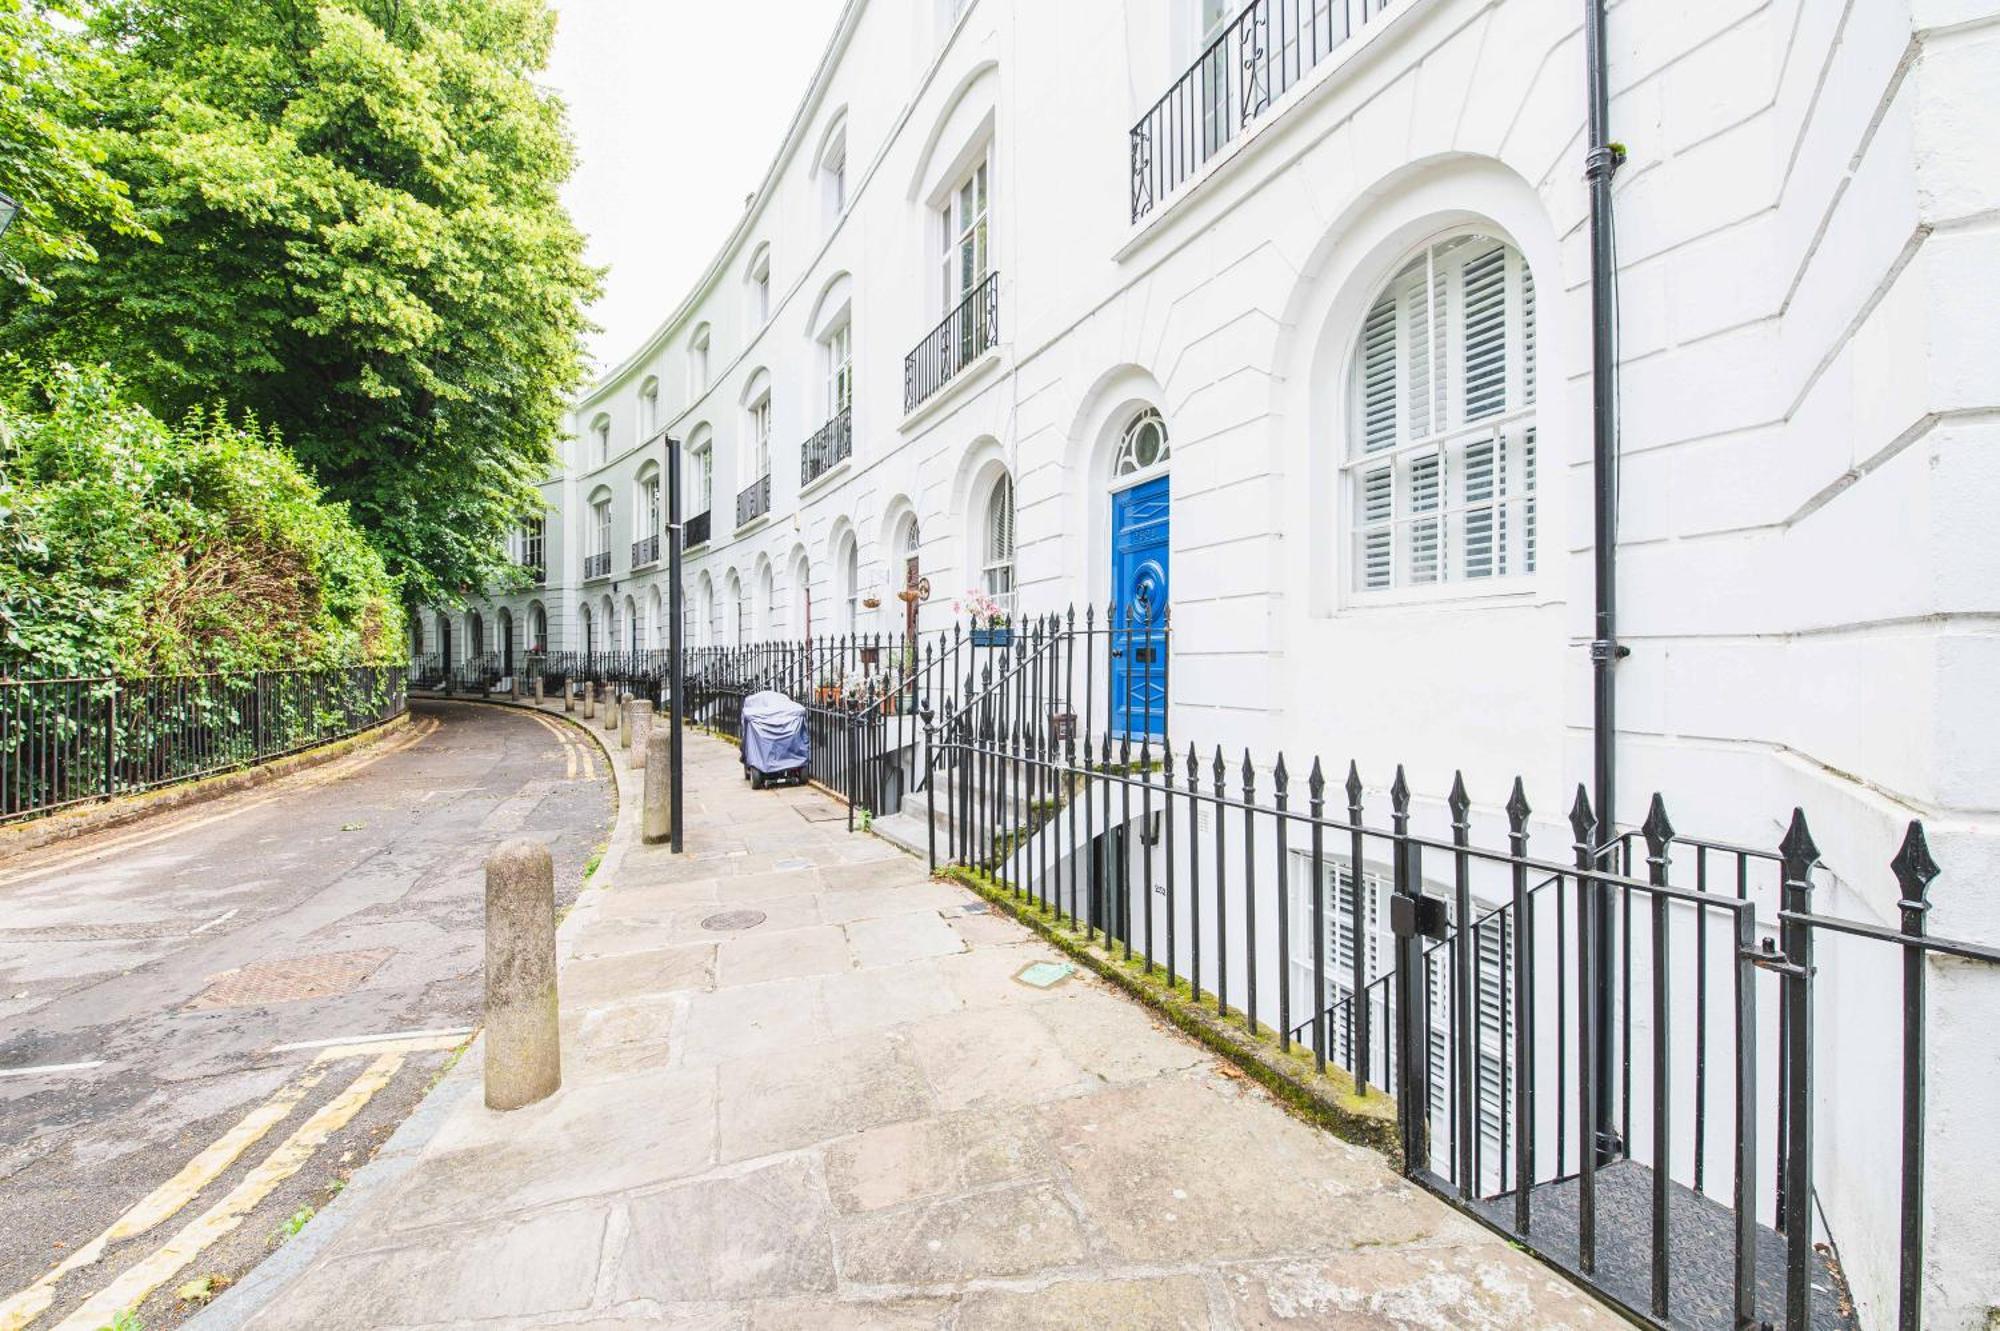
{"x": 1139, "y": 609}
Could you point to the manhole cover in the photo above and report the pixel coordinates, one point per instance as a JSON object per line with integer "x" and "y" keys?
{"x": 1044, "y": 974}
{"x": 729, "y": 920}
{"x": 290, "y": 980}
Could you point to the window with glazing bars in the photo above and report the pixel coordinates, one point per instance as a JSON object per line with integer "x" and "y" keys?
{"x": 1442, "y": 468}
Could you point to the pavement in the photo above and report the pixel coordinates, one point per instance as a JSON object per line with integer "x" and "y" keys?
{"x": 210, "y": 1018}
{"x": 806, "y": 1086}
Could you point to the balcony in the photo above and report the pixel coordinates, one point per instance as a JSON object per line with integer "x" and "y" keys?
{"x": 967, "y": 333}
{"x": 1258, "y": 57}
{"x": 537, "y": 570}
{"x": 695, "y": 530}
{"x": 646, "y": 551}
{"x": 754, "y": 501}
{"x": 597, "y": 566}
{"x": 831, "y": 446}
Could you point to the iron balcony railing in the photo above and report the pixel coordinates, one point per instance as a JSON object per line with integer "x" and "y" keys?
{"x": 754, "y": 500}
{"x": 695, "y": 529}
{"x": 832, "y": 445}
{"x": 72, "y": 740}
{"x": 646, "y": 550}
{"x": 967, "y": 333}
{"x": 538, "y": 571}
{"x": 1258, "y": 56}
{"x": 597, "y": 565}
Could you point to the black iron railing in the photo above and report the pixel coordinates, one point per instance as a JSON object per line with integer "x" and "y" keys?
{"x": 72, "y": 740}
{"x": 695, "y": 530}
{"x": 597, "y": 565}
{"x": 1456, "y": 971}
{"x": 968, "y": 332}
{"x": 833, "y": 444}
{"x": 646, "y": 550}
{"x": 1258, "y": 56}
{"x": 754, "y": 500}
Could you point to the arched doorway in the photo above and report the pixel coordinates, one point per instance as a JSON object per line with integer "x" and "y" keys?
{"x": 908, "y": 540}
{"x": 506, "y": 627}
{"x": 1141, "y": 506}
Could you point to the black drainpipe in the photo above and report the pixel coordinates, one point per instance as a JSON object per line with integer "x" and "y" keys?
{"x": 1600, "y": 163}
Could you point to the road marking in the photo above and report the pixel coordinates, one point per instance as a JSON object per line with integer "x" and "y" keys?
{"x": 427, "y": 1045}
{"x": 569, "y": 747}
{"x": 163, "y": 1263}
{"x": 223, "y": 918}
{"x": 164, "y": 1201}
{"x": 456, "y": 1032}
{"x": 51, "y": 1067}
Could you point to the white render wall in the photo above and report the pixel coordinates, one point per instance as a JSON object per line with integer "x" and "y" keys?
{"x": 1810, "y": 412}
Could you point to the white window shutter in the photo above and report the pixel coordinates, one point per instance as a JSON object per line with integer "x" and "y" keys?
{"x": 1485, "y": 306}
{"x": 1378, "y": 377}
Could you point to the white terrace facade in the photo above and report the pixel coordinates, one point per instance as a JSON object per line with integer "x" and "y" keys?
{"x": 1022, "y": 275}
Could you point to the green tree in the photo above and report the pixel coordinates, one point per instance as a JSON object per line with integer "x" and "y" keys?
{"x": 360, "y": 243}
{"x": 51, "y": 154}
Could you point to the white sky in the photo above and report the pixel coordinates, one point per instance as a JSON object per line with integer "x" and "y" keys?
{"x": 677, "y": 107}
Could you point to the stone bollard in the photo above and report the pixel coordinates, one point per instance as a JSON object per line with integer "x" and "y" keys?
{"x": 569, "y": 695}
{"x": 589, "y": 701}
{"x": 523, "y": 1040}
{"x": 540, "y": 695}
{"x": 656, "y": 822}
{"x": 638, "y": 730}
{"x": 610, "y": 708}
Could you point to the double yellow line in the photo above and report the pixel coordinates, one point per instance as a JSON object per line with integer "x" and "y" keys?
{"x": 136, "y": 1282}
{"x": 578, "y": 755}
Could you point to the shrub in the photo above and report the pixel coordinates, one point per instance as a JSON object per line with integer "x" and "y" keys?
{"x": 132, "y": 546}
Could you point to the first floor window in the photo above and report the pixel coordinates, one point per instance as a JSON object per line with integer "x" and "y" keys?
{"x": 600, "y": 527}
{"x": 760, "y": 435}
{"x": 1441, "y": 475}
{"x": 839, "y": 370}
{"x": 963, "y": 221}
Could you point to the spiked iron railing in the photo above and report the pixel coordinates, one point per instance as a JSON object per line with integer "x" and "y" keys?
{"x": 1680, "y": 1208}
{"x": 69, "y": 741}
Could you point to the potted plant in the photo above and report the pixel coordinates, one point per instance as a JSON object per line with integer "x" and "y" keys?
{"x": 989, "y": 619}
{"x": 827, "y": 691}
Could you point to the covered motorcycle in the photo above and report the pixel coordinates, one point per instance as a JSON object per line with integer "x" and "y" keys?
{"x": 775, "y": 745}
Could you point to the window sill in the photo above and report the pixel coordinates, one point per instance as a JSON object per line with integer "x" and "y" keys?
{"x": 753, "y": 524}
{"x": 825, "y": 479}
{"x": 641, "y": 568}
{"x": 961, "y": 383}
{"x": 1514, "y": 590}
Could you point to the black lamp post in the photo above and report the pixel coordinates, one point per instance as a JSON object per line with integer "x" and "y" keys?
{"x": 7, "y": 210}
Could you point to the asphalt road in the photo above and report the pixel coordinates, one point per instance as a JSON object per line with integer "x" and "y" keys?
{"x": 150, "y": 977}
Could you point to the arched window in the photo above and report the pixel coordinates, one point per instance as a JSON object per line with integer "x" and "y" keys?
{"x": 600, "y": 441}
{"x": 1441, "y": 459}
{"x": 997, "y": 568}
{"x": 850, "y": 585}
{"x": 475, "y": 635}
{"x": 649, "y": 408}
{"x": 538, "y": 629}
{"x": 698, "y": 362}
{"x": 1144, "y": 445}
{"x": 635, "y": 631}
{"x": 416, "y": 636}
{"x": 589, "y": 629}
{"x": 757, "y": 287}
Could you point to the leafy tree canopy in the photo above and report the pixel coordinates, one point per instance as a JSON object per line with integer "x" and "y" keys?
{"x": 50, "y": 157}
{"x": 359, "y": 243}
{"x": 129, "y": 546}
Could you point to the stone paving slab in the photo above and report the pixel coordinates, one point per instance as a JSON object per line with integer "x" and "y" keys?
{"x": 853, "y": 1115}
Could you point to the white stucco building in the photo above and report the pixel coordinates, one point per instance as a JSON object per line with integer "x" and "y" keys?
{"x": 1023, "y": 273}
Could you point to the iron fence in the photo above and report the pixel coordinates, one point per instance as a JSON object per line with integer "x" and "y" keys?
{"x": 828, "y": 447}
{"x": 646, "y": 550}
{"x": 963, "y": 336}
{"x": 1664, "y": 1150}
{"x": 754, "y": 500}
{"x": 695, "y": 529}
{"x": 69, "y": 741}
{"x": 597, "y": 565}
{"x": 1255, "y": 59}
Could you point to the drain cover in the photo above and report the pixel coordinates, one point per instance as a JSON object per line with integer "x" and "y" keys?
{"x": 730, "y": 920}
{"x": 1045, "y": 974}
{"x": 290, "y": 980}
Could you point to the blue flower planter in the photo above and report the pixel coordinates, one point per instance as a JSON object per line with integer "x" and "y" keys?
{"x": 995, "y": 637}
